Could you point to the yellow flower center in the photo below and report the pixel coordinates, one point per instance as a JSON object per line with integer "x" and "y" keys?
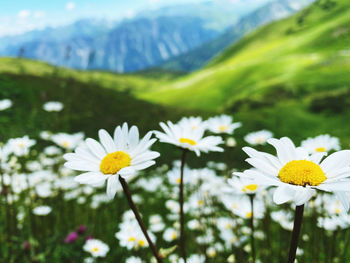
{"x": 250, "y": 188}
{"x": 178, "y": 180}
{"x": 212, "y": 254}
{"x": 320, "y": 149}
{"x": 259, "y": 140}
{"x": 114, "y": 162}
{"x": 188, "y": 141}
{"x": 174, "y": 236}
{"x": 142, "y": 243}
{"x": 95, "y": 249}
{"x": 302, "y": 173}
{"x": 200, "y": 202}
{"x": 223, "y": 128}
{"x": 131, "y": 239}
{"x": 337, "y": 210}
{"x": 65, "y": 144}
{"x": 248, "y": 214}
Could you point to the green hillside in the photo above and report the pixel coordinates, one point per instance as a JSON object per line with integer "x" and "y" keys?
{"x": 92, "y": 100}
{"x": 305, "y": 53}
{"x": 291, "y": 73}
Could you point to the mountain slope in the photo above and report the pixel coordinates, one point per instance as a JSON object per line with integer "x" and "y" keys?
{"x": 291, "y": 76}
{"x": 306, "y": 52}
{"x": 198, "y": 57}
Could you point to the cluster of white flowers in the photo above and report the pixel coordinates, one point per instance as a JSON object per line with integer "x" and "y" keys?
{"x": 130, "y": 235}
{"x": 218, "y": 205}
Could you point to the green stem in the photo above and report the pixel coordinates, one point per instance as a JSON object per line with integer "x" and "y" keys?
{"x": 298, "y": 218}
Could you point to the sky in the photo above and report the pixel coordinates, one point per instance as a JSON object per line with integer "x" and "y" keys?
{"x": 18, "y": 16}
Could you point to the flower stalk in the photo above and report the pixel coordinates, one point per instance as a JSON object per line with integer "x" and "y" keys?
{"x": 298, "y": 218}
{"x": 139, "y": 219}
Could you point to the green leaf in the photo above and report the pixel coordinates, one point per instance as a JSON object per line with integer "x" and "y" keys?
{"x": 165, "y": 252}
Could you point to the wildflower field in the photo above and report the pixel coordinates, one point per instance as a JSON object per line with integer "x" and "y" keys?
{"x": 68, "y": 198}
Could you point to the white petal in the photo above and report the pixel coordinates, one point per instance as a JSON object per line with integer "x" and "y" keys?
{"x": 127, "y": 170}
{"x": 95, "y": 148}
{"x": 317, "y": 157}
{"x": 336, "y": 161}
{"x": 91, "y": 178}
{"x": 144, "y": 165}
{"x": 82, "y": 166}
{"x": 107, "y": 141}
{"x": 333, "y": 187}
{"x": 283, "y": 194}
{"x": 284, "y": 148}
{"x": 133, "y": 137}
{"x": 263, "y": 166}
{"x": 303, "y": 195}
{"x": 145, "y": 157}
{"x": 112, "y": 186}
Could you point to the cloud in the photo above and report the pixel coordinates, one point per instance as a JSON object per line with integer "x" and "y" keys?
{"x": 70, "y": 6}
{"x": 24, "y": 13}
{"x": 39, "y": 14}
{"x": 130, "y": 13}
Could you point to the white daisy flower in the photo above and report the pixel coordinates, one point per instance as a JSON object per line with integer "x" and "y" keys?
{"x": 20, "y": 146}
{"x": 243, "y": 185}
{"x": 193, "y": 122}
{"x": 156, "y": 223}
{"x": 258, "y": 137}
{"x": 240, "y": 206}
{"x": 68, "y": 141}
{"x": 5, "y": 104}
{"x": 130, "y": 235}
{"x": 124, "y": 156}
{"x": 222, "y": 124}
{"x": 334, "y": 223}
{"x": 42, "y": 210}
{"x": 297, "y": 175}
{"x": 171, "y": 234}
{"x": 321, "y": 143}
{"x": 96, "y": 248}
{"x": 53, "y": 106}
{"x": 187, "y": 138}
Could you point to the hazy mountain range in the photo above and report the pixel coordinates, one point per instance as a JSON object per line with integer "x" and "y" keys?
{"x": 198, "y": 57}
{"x": 192, "y": 34}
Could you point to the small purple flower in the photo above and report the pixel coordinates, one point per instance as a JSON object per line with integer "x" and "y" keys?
{"x": 26, "y": 246}
{"x": 72, "y": 237}
{"x": 81, "y": 229}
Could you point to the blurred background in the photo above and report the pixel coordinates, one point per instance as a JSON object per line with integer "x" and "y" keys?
{"x": 282, "y": 65}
